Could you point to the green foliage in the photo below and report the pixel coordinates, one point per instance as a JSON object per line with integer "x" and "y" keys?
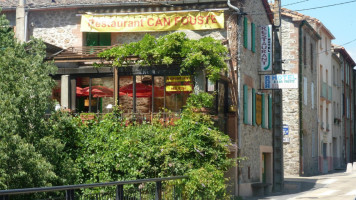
{"x": 192, "y": 55}
{"x": 201, "y": 100}
{"x": 30, "y": 155}
{"x": 112, "y": 151}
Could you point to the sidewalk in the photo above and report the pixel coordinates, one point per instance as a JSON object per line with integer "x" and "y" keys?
{"x": 295, "y": 185}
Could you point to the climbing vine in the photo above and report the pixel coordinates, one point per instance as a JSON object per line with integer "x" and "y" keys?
{"x": 175, "y": 48}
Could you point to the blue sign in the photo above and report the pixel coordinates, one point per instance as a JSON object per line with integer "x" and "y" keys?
{"x": 285, "y": 129}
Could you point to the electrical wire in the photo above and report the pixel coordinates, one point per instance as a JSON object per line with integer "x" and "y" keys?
{"x": 336, "y": 4}
{"x": 304, "y": 9}
{"x": 295, "y": 3}
{"x": 325, "y": 50}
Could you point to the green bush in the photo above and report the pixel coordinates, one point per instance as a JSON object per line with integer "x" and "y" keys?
{"x": 112, "y": 151}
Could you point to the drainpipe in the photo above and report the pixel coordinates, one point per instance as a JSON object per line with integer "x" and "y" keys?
{"x": 233, "y": 7}
{"x": 300, "y": 98}
{"x": 237, "y": 154}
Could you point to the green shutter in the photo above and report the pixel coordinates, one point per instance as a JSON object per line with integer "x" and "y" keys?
{"x": 253, "y": 33}
{"x": 253, "y": 107}
{"x": 105, "y": 39}
{"x": 98, "y": 39}
{"x": 245, "y": 104}
{"x": 92, "y": 39}
{"x": 245, "y": 32}
{"x": 269, "y": 111}
{"x": 263, "y": 111}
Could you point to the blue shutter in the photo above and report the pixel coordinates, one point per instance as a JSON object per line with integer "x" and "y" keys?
{"x": 245, "y": 32}
{"x": 253, "y": 107}
{"x": 245, "y": 104}
{"x": 263, "y": 111}
{"x": 253, "y": 34}
{"x": 269, "y": 111}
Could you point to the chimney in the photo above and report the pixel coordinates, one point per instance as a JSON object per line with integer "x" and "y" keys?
{"x": 21, "y": 21}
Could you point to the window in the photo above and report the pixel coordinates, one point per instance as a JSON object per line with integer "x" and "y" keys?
{"x": 305, "y": 90}
{"x": 94, "y": 94}
{"x": 334, "y": 75}
{"x": 305, "y": 51}
{"x": 313, "y": 144}
{"x": 311, "y": 58}
{"x": 270, "y": 111}
{"x": 347, "y": 108}
{"x": 98, "y": 39}
{"x": 342, "y": 73}
{"x": 265, "y": 120}
{"x": 249, "y": 35}
{"x": 249, "y": 103}
{"x": 146, "y": 93}
{"x": 312, "y": 94}
{"x": 343, "y": 104}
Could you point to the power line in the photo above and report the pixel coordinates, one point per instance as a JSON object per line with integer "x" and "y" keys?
{"x": 304, "y": 9}
{"x": 336, "y": 4}
{"x": 295, "y": 3}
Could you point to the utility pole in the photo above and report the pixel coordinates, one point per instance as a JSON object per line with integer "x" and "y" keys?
{"x": 278, "y": 172}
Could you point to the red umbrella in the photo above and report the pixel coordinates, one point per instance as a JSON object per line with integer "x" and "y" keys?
{"x": 79, "y": 92}
{"x": 140, "y": 87}
{"x": 99, "y": 91}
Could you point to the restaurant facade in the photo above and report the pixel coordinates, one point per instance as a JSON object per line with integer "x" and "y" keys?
{"x": 78, "y": 32}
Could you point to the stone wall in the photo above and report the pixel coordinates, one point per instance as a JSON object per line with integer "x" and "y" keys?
{"x": 57, "y": 27}
{"x": 305, "y": 134}
{"x": 253, "y": 138}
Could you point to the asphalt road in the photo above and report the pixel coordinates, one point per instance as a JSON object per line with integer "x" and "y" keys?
{"x": 333, "y": 186}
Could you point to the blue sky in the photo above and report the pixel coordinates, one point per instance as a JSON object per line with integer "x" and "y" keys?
{"x": 339, "y": 19}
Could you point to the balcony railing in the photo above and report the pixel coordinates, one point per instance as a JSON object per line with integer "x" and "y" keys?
{"x": 155, "y": 188}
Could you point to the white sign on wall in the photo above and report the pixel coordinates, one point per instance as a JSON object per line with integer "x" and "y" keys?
{"x": 266, "y": 48}
{"x": 280, "y": 81}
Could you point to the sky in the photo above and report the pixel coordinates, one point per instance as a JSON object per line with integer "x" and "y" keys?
{"x": 339, "y": 19}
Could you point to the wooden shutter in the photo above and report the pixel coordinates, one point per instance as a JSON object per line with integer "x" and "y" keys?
{"x": 245, "y": 32}
{"x": 269, "y": 111}
{"x": 253, "y": 107}
{"x": 253, "y": 35}
{"x": 263, "y": 111}
{"x": 245, "y": 104}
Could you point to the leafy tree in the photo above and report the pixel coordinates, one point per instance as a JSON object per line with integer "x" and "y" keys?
{"x": 30, "y": 155}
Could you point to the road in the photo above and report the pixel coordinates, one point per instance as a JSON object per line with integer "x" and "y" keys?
{"x": 333, "y": 186}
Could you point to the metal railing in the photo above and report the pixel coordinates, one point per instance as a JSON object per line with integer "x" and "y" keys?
{"x": 141, "y": 189}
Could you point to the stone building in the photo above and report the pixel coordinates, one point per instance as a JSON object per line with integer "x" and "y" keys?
{"x": 325, "y": 91}
{"x": 347, "y": 104}
{"x": 255, "y": 120}
{"x": 338, "y": 136}
{"x": 76, "y": 30}
{"x": 300, "y": 105}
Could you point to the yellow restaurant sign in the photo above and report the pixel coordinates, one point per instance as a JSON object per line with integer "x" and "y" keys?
{"x": 179, "y": 88}
{"x": 171, "y": 79}
{"x": 197, "y": 20}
